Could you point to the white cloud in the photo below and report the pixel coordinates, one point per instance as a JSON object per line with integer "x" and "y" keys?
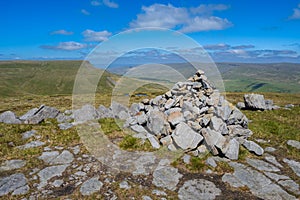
{"x": 180, "y": 18}
{"x": 110, "y": 4}
{"x": 95, "y": 3}
{"x": 205, "y": 24}
{"x": 67, "y": 46}
{"x": 85, "y": 12}
{"x": 296, "y": 13}
{"x": 62, "y": 32}
{"x": 94, "y": 36}
{"x": 159, "y": 15}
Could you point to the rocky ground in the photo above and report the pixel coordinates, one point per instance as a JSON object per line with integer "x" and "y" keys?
{"x": 186, "y": 144}
{"x": 68, "y": 173}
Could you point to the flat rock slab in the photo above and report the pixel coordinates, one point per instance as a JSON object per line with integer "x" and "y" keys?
{"x": 12, "y": 164}
{"x": 198, "y": 189}
{"x": 32, "y": 144}
{"x": 259, "y": 184}
{"x": 28, "y": 134}
{"x": 262, "y": 165}
{"x": 54, "y": 158}
{"x": 166, "y": 177}
{"x": 294, "y": 165}
{"x": 290, "y": 185}
{"x": 273, "y": 160}
{"x": 91, "y": 186}
{"x": 13, "y": 183}
{"x": 50, "y": 172}
{"x": 294, "y": 143}
{"x": 253, "y": 147}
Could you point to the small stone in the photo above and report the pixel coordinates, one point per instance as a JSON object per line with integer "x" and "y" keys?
{"x": 175, "y": 118}
{"x": 186, "y": 159}
{"x": 50, "y": 172}
{"x": 57, "y": 183}
{"x": 233, "y": 149}
{"x": 146, "y": 198}
{"x": 270, "y": 149}
{"x": 273, "y": 160}
{"x": 124, "y": 185}
{"x": 91, "y": 186}
{"x": 166, "y": 140}
{"x": 28, "y": 134}
{"x": 211, "y": 162}
{"x": 153, "y": 141}
{"x": 253, "y": 147}
{"x": 159, "y": 193}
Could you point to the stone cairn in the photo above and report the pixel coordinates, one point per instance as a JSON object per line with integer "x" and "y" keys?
{"x": 194, "y": 117}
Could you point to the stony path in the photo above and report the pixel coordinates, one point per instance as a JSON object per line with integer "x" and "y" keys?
{"x": 67, "y": 172}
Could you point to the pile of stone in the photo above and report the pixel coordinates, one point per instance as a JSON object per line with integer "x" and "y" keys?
{"x": 256, "y": 102}
{"x": 194, "y": 117}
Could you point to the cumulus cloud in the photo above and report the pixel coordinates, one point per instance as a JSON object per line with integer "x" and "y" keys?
{"x": 66, "y": 46}
{"x": 110, "y": 4}
{"x": 85, "y": 12}
{"x": 180, "y": 18}
{"x": 94, "y": 36}
{"x": 62, "y": 32}
{"x": 296, "y": 13}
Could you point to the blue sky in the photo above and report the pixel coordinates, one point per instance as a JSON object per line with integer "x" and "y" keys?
{"x": 232, "y": 30}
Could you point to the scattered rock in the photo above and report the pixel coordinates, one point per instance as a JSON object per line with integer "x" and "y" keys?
{"x": 85, "y": 113}
{"x": 241, "y": 105}
{"x": 65, "y": 126}
{"x": 9, "y": 117}
{"x": 12, "y": 164}
{"x": 186, "y": 159}
{"x": 124, "y": 185}
{"x": 32, "y": 144}
{"x": 294, "y": 165}
{"x": 270, "y": 149}
{"x": 198, "y": 189}
{"x": 254, "y": 102}
{"x": 54, "y": 158}
{"x": 273, "y": 160}
{"x": 211, "y": 162}
{"x": 119, "y": 111}
{"x": 44, "y": 112}
{"x": 91, "y": 186}
{"x": 28, "y": 134}
{"x": 12, "y": 183}
{"x": 253, "y": 147}
{"x": 29, "y": 114}
{"x": 294, "y": 143}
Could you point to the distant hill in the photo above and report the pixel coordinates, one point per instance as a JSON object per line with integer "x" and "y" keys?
{"x": 19, "y": 78}
{"x": 248, "y": 77}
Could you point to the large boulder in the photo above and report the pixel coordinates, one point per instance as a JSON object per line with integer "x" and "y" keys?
{"x": 254, "y": 102}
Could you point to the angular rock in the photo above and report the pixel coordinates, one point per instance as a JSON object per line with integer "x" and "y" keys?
{"x": 269, "y": 104}
{"x": 276, "y": 177}
{"x": 169, "y": 103}
{"x": 240, "y": 105}
{"x": 29, "y": 114}
{"x": 273, "y": 160}
{"x": 254, "y": 102}
{"x": 21, "y": 190}
{"x": 9, "y": 117}
{"x": 239, "y": 131}
{"x": 104, "y": 112}
{"x": 141, "y": 118}
{"x": 233, "y": 149}
{"x": 214, "y": 139}
{"x": 124, "y": 185}
{"x": 12, "y": 183}
{"x": 175, "y": 118}
{"x": 218, "y": 125}
{"x": 54, "y": 158}
{"x": 119, "y": 110}
{"x": 153, "y": 141}
{"x": 65, "y": 126}
{"x": 139, "y": 129}
{"x": 85, "y": 113}
{"x": 91, "y": 186}
{"x": 185, "y": 137}
{"x": 156, "y": 121}
{"x": 290, "y": 185}
{"x": 198, "y": 189}
{"x": 44, "y": 112}
{"x": 211, "y": 162}
{"x": 253, "y": 147}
